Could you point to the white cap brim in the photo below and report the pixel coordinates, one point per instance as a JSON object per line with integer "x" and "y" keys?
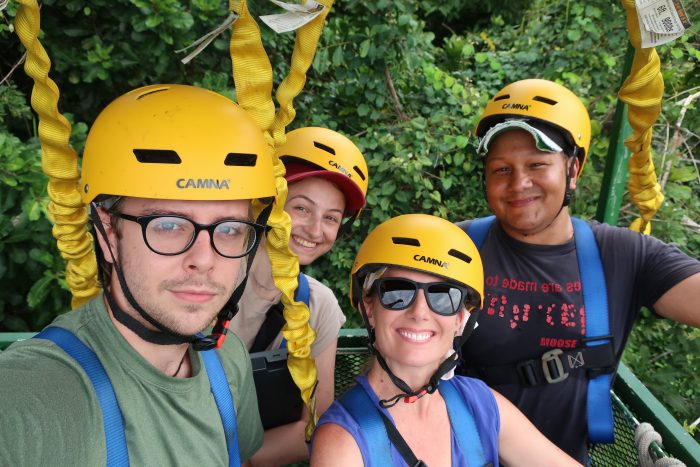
{"x": 542, "y": 141}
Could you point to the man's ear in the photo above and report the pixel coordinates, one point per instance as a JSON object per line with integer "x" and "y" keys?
{"x": 574, "y": 173}
{"x": 109, "y": 230}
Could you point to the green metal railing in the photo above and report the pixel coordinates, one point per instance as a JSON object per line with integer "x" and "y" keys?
{"x": 632, "y": 403}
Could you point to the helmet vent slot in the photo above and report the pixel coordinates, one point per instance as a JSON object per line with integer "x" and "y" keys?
{"x": 323, "y": 147}
{"x": 405, "y": 241}
{"x": 546, "y": 100}
{"x": 157, "y": 156}
{"x": 154, "y": 91}
{"x": 240, "y": 159}
{"x": 500, "y": 98}
{"x": 459, "y": 255}
{"x": 359, "y": 172}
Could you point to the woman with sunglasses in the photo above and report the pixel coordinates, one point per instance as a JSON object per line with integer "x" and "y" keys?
{"x": 327, "y": 180}
{"x": 417, "y": 281}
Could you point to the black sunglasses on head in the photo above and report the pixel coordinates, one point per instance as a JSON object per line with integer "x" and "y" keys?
{"x": 444, "y": 298}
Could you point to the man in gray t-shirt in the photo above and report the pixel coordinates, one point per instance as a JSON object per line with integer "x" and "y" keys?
{"x": 535, "y": 135}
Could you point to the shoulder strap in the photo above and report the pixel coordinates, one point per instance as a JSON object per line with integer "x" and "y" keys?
{"x": 358, "y": 403}
{"x": 463, "y": 424}
{"x": 303, "y": 292}
{"x": 301, "y": 295}
{"x": 274, "y": 319}
{"x": 115, "y": 438}
{"x": 595, "y": 299}
{"x": 478, "y": 228}
{"x": 270, "y": 328}
{"x": 224, "y": 401}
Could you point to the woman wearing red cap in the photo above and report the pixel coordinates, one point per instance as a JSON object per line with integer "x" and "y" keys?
{"x": 327, "y": 179}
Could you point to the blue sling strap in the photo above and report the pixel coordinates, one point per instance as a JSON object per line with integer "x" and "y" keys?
{"x": 599, "y": 403}
{"x": 224, "y": 402}
{"x": 358, "y": 403}
{"x": 360, "y": 406}
{"x": 595, "y": 300}
{"x": 301, "y": 295}
{"x": 479, "y": 228}
{"x": 115, "y": 437}
{"x": 463, "y": 425}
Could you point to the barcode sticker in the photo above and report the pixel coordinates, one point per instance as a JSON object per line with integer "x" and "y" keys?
{"x": 661, "y": 21}
{"x": 295, "y": 17}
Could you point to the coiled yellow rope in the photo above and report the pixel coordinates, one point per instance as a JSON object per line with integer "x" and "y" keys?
{"x": 642, "y": 91}
{"x": 253, "y": 82}
{"x": 60, "y": 163}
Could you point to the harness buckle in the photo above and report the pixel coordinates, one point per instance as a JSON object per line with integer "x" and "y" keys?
{"x": 552, "y": 366}
{"x": 527, "y": 373}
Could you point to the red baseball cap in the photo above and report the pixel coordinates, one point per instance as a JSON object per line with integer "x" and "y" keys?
{"x": 354, "y": 198}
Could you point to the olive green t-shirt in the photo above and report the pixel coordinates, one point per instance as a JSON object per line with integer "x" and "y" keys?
{"x": 49, "y": 414}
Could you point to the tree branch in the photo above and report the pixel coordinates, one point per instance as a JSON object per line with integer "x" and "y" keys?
{"x": 19, "y": 62}
{"x": 394, "y": 96}
{"x": 677, "y": 139}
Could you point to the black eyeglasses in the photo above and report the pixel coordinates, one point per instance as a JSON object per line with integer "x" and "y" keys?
{"x": 443, "y": 298}
{"x": 172, "y": 235}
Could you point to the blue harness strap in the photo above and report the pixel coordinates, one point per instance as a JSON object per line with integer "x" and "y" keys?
{"x": 595, "y": 300}
{"x": 301, "y": 295}
{"x": 115, "y": 438}
{"x": 463, "y": 424}
{"x": 478, "y": 228}
{"x": 224, "y": 401}
{"x": 600, "y": 416}
{"x": 358, "y": 403}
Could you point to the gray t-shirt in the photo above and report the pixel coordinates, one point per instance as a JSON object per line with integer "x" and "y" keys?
{"x": 533, "y": 303}
{"x": 50, "y": 414}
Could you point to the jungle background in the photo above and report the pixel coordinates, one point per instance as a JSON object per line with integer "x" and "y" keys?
{"x": 406, "y": 80}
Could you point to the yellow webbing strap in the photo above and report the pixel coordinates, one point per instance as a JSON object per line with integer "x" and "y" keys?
{"x": 642, "y": 91}
{"x": 60, "y": 163}
{"x": 252, "y": 74}
{"x": 304, "y": 49}
{"x": 297, "y": 331}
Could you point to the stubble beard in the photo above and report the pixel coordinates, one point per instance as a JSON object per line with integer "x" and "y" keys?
{"x": 136, "y": 277}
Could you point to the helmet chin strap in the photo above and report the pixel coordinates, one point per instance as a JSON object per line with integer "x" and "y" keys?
{"x": 408, "y": 395}
{"x": 164, "y": 335}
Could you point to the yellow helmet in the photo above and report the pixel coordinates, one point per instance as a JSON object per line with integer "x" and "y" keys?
{"x": 172, "y": 141}
{"x": 423, "y": 243}
{"x": 545, "y": 104}
{"x": 321, "y": 152}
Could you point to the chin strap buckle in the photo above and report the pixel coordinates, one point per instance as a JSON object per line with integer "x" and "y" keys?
{"x": 218, "y": 335}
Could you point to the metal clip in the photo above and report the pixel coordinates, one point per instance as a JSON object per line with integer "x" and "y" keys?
{"x": 553, "y": 356}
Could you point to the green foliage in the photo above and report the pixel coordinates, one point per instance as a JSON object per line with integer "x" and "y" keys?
{"x": 666, "y": 354}
{"x": 31, "y": 271}
{"x": 406, "y": 80}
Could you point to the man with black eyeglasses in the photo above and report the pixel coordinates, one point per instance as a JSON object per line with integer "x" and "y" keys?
{"x": 169, "y": 172}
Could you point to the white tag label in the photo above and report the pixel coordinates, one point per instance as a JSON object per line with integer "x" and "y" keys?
{"x": 206, "y": 39}
{"x": 661, "y": 21}
{"x": 295, "y": 17}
